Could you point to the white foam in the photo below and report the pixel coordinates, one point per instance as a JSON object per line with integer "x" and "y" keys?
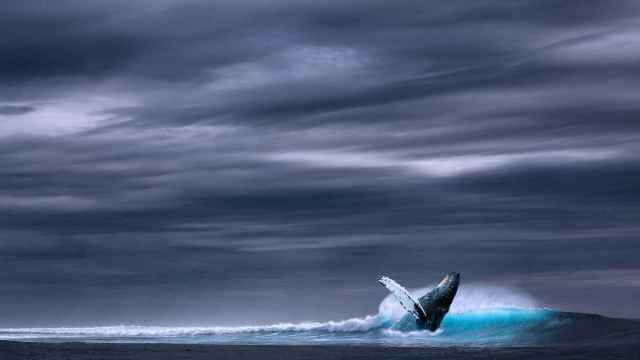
{"x": 349, "y": 325}
{"x": 411, "y": 334}
{"x": 470, "y": 298}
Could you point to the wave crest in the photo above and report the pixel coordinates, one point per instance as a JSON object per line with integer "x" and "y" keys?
{"x": 483, "y": 301}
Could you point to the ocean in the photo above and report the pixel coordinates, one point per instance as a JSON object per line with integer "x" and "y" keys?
{"x": 482, "y": 319}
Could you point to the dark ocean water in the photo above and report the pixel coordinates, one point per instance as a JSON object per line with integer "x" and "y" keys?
{"x": 483, "y": 323}
{"x": 495, "y": 328}
{"x": 149, "y": 351}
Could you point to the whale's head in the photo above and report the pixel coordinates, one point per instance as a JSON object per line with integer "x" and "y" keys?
{"x": 436, "y": 302}
{"x": 452, "y": 279}
{"x": 447, "y": 289}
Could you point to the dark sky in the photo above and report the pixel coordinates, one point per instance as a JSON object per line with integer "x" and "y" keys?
{"x": 208, "y": 162}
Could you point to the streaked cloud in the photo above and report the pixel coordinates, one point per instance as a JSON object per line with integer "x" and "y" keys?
{"x": 155, "y": 148}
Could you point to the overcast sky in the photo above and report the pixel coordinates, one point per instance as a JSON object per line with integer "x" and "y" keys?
{"x": 208, "y": 162}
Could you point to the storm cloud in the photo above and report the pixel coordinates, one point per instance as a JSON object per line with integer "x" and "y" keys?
{"x": 198, "y": 162}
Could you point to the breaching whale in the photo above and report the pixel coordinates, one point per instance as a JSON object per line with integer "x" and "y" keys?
{"x": 430, "y": 309}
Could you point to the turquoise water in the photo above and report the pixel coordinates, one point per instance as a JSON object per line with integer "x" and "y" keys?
{"x": 480, "y": 316}
{"x": 492, "y": 327}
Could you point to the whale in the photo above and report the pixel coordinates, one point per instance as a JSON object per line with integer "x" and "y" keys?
{"x": 428, "y": 310}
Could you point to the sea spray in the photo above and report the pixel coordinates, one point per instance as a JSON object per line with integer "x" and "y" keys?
{"x": 480, "y": 315}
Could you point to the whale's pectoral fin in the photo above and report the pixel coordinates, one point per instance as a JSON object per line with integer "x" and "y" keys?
{"x": 404, "y": 298}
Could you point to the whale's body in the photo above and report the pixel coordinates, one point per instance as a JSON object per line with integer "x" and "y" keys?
{"x": 430, "y": 309}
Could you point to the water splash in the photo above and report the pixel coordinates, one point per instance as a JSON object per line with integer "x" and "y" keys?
{"x": 470, "y": 298}
{"x": 480, "y": 315}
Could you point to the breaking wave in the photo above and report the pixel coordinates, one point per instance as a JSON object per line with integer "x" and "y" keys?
{"x": 480, "y": 315}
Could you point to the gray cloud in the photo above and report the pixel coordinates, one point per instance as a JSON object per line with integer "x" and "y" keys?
{"x": 165, "y": 160}
{"x": 15, "y": 109}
